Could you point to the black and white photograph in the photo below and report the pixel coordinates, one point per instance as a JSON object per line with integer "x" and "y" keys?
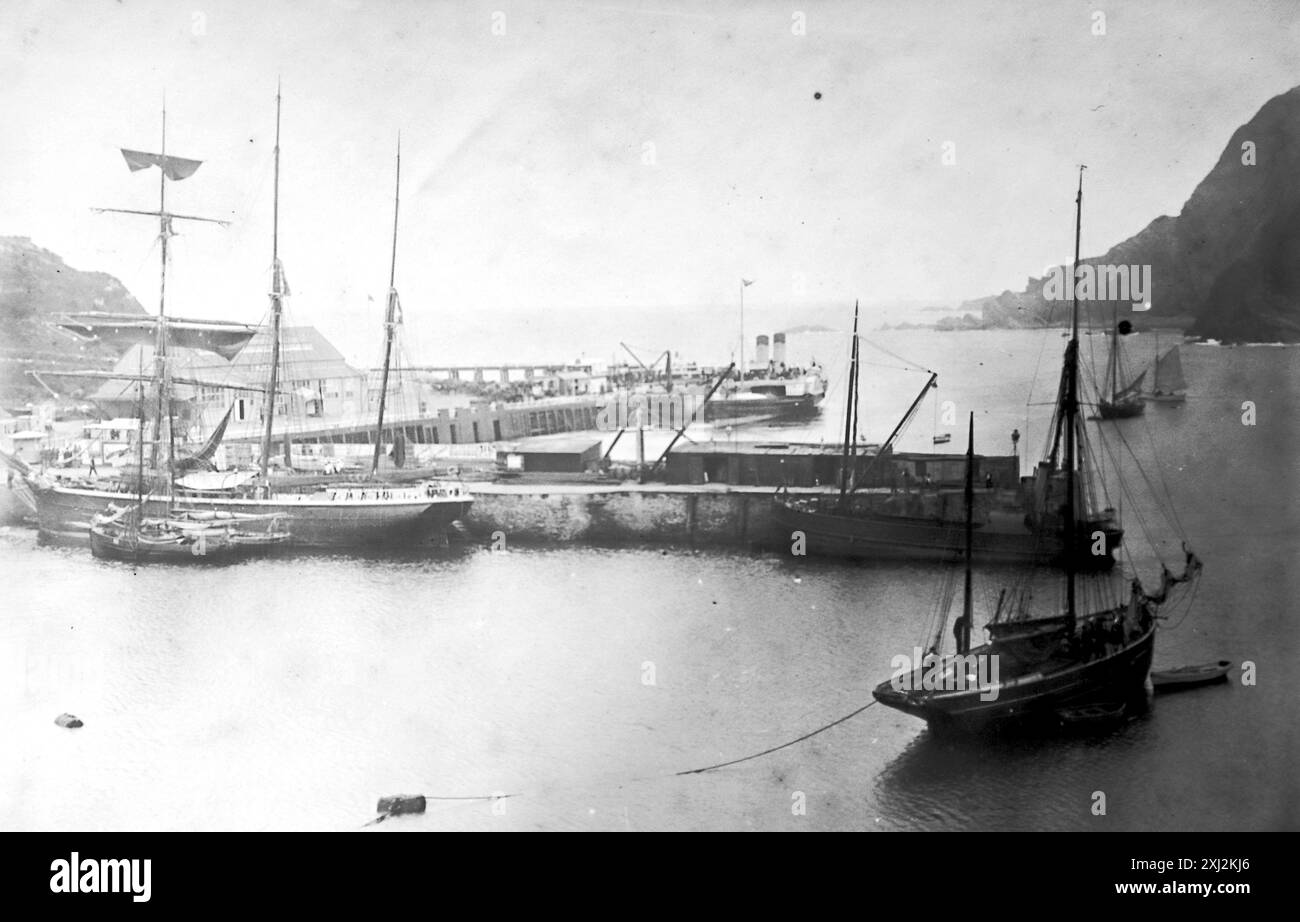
{"x": 651, "y": 416}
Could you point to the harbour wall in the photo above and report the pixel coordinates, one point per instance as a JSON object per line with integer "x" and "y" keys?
{"x": 673, "y": 515}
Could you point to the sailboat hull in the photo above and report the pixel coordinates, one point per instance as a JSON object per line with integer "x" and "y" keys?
{"x": 1123, "y": 409}
{"x": 108, "y": 543}
{"x": 372, "y": 516}
{"x": 1033, "y": 699}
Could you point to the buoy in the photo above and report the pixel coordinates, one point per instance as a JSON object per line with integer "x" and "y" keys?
{"x": 71, "y": 721}
{"x": 400, "y": 803}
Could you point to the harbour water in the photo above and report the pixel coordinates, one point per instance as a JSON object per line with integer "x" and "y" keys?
{"x": 293, "y": 693}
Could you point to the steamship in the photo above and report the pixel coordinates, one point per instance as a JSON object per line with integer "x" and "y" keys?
{"x": 771, "y": 391}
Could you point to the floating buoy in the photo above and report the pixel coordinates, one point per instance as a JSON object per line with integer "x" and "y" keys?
{"x": 398, "y": 804}
{"x": 71, "y": 721}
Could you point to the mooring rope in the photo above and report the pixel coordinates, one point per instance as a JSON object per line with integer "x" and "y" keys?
{"x": 757, "y": 755}
{"x": 693, "y": 771}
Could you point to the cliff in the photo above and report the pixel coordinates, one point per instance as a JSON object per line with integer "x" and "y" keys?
{"x": 1226, "y": 265}
{"x": 34, "y": 285}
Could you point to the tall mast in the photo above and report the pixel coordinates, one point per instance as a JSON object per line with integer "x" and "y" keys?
{"x": 1114, "y": 350}
{"x": 389, "y": 316}
{"x": 742, "y": 330}
{"x": 139, "y": 433}
{"x": 160, "y": 341}
{"x": 174, "y": 168}
{"x": 1071, "y": 409}
{"x": 849, "y": 400}
{"x": 277, "y": 302}
{"x": 853, "y": 427}
{"x": 967, "y": 609}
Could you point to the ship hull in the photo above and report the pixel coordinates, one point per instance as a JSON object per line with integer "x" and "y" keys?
{"x": 1124, "y": 409}
{"x": 313, "y": 520}
{"x": 768, "y": 409}
{"x": 109, "y": 545}
{"x": 1033, "y": 700}
{"x": 869, "y": 536}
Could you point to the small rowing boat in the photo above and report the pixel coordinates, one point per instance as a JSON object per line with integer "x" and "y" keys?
{"x": 1190, "y": 676}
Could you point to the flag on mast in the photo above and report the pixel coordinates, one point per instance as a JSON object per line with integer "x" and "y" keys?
{"x": 746, "y": 282}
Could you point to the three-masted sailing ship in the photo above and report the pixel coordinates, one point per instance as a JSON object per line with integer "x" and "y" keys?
{"x": 1040, "y": 667}
{"x": 921, "y": 522}
{"x": 333, "y": 515}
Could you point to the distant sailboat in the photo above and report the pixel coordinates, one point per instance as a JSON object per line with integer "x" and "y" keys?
{"x": 1169, "y": 382}
{"x": 1120, "y": 401}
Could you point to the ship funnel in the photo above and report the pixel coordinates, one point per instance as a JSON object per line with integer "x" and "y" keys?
{"x": 760, "y": 351}
{"x": 778, "y": 348}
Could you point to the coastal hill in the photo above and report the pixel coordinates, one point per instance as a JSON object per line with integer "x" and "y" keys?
{"x": 34, "y": 285}
{"x": 1226, "y": 266}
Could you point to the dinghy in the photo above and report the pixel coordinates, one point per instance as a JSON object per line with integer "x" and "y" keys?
{"x": 1190, "y": 676}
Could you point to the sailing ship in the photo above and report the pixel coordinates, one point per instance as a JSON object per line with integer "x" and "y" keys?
{"x": 1095, "y": 657}
{"x": 1169, "y": 385}
{"x": 125, "y": 533}
{"x": 924, "y": 522}
{"x": 331, "y": 515}
{"x": 1120, "y": 401}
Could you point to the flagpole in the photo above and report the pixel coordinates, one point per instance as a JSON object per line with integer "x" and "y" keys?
{"x": 742, "y": 329}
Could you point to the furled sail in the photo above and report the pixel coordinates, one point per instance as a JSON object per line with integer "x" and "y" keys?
{"x": 1169, "y": 372}
{"x": 225, "y": 339}
{"x": 176, "y": 168}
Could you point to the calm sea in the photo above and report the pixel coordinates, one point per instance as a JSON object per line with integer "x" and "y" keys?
{"x": 292, "y": 693}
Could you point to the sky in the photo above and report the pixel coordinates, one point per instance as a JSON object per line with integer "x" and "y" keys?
{"x": 574, "y": 169}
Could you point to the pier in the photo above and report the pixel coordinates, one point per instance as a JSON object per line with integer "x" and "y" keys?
{"x": 677, "y": 515}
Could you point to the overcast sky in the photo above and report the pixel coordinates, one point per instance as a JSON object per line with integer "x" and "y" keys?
{"x": 624, "y": 154}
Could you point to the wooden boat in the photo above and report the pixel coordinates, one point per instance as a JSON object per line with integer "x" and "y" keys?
{"x": 1035, "y": 666}
{"x": 943, "y": 438}
{"x": 1121, "y": 401}
{"x": 1190, "y": 676}
{"x": 919, "y": 525}
{"x": 324, "y": 515}
{"x": 1170, "y": 385}
{"x": 124, "y": 534}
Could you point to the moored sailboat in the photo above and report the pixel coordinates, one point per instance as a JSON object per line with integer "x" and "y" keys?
{"x": 919, "y": 521}
{"x": 330, "y": 515}
{"x": 1092, "y": 658}
{"x": 126, "y": 533}
{"x": 181, "y": 537}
